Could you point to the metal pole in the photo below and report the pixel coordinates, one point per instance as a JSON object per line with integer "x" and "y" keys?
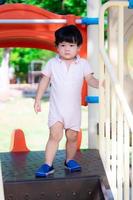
{"x": 84, "y": 20}
{"x": 93, "y": 57}
{"x": 33, "y": 21}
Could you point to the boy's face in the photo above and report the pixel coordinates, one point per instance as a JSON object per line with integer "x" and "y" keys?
{"x": 67, "y": 50}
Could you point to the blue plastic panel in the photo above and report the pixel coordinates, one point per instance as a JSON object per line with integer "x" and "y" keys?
{"x": 130, "y": 4}
{"x": 89, "y": 21}
{"x": 92, "y": 99}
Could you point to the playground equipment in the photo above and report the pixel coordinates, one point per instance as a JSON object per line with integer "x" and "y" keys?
{"x": 115, "y": 138}
{"x": 116, "y": 119}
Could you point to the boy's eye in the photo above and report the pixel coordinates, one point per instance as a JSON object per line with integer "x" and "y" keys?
{"x": 64, "y": 45}
{"x": 72, "y": 45}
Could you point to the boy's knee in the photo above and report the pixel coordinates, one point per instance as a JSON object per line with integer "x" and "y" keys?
{"x": 72, "y": 136}
{"x": 56, "y": 132}
{"x": 55, "y": 137}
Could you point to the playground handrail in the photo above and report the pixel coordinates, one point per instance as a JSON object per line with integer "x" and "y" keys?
{"x": 110, "y": 68}
{"x": 118, "y": 89}
{"x": 115, "y": 121}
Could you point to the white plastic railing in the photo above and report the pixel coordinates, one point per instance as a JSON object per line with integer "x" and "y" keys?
{"x": 116, "y": 119}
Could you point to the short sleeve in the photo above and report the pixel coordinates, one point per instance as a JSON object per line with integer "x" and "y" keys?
{"x": 47, "y": 69}
{"x": 86, "y": 68}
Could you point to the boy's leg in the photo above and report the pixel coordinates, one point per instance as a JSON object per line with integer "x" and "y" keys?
{"x": 71, "y": 148}
{"x": 56, "y": 133}
{"x": 71, "y": 144}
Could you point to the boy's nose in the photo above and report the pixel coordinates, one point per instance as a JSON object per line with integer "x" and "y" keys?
{"x": 67, "y": 48}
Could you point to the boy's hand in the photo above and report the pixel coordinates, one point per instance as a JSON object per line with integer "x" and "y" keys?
{"x": 37, "y": 107}
{"x": 103, "y": 84}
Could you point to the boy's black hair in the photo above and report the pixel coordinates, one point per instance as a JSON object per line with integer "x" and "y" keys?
{"x": 68, "y": 33}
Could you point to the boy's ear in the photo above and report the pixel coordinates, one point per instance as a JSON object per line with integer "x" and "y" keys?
{"x": 57, "y": 49}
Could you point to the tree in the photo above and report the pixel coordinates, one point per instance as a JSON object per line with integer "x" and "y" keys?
{"x": 22, "y": 57}
{"x": 77, "y": 7}
{"x": 2, "y": 2}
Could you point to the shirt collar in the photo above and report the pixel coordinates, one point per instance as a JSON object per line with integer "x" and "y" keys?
{"x": 76, "y": 60}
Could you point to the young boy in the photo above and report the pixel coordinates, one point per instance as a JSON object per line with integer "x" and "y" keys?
{"x": 66, "y": 73}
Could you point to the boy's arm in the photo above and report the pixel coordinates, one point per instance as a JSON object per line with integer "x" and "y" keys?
{"x": 92, "y": 81}
{"x": 40, "y": 91}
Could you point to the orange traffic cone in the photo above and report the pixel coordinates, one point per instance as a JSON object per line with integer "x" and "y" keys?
{"x": 18, "y": 143}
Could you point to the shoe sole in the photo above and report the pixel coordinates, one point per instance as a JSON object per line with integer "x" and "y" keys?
{"x": 73, "y": 170}
{"x": 44, "y": 175}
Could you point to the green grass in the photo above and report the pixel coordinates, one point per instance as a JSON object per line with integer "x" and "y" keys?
{"x": 18, "y": 112}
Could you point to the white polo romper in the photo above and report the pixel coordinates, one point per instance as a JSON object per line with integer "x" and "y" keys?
{"x": 65, "y": 93}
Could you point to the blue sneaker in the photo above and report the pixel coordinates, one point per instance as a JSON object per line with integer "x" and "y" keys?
{"x": 72, "y": 166}
{"x": 44, "y": 171}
